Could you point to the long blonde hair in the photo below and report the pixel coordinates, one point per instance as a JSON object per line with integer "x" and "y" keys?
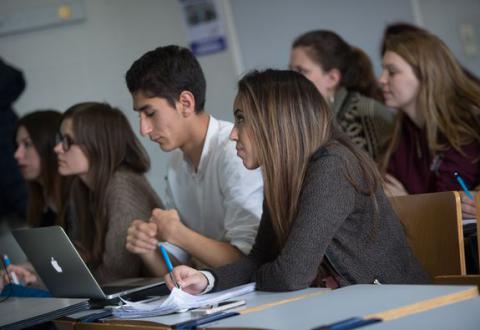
{"x": 448, "y": 99}
{"x": 289, "y": 120}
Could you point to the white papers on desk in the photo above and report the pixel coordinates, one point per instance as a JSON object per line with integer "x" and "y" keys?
{"x": 177, "y": 301}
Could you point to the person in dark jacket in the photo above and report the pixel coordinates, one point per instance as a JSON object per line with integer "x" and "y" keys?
{"x": 13, "y": 193}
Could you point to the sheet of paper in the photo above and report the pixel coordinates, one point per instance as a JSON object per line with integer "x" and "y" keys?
{"x": 177, "y": 301}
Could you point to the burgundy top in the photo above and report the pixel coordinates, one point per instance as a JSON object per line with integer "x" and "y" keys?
{"x": 421, "y": 172}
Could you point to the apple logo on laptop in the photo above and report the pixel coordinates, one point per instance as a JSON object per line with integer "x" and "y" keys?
{"x": 55, "y": 265}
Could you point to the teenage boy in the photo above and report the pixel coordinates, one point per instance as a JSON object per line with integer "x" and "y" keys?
{"x": 215, "y": 202}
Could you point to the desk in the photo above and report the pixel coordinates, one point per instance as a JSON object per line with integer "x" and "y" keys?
{"x": 316, "y": 306}
{"x": 255, "y": 301}
{"x": 340, "y": 304}
{"x": 463, "y": 315}
{"x": 18, "y": 313}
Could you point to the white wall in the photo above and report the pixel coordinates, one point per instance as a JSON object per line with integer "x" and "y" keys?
{"x": 266, "y": 28}
{"x": 445, "y": 18}
{"x": 87, "y": 61}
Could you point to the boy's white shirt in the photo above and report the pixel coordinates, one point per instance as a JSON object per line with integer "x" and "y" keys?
{"x": 222, "y": 200}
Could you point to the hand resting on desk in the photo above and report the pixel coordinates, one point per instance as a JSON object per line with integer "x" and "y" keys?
{"x": 189, "y": 279}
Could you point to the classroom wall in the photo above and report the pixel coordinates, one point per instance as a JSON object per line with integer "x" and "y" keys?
{"x": 87, "y": 60}
{"x": 266, "y": 29}
{"x": 446, "y": 18}
{"x": 276, "y": 24}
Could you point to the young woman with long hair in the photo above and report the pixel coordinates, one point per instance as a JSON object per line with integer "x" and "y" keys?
{"x": 326, "y": 220}
{"x": 37, "y": 161}
{"x": 437, "y": 131}
{"x": 47, "y": 189}
{"x": 98, "y": 147}
{"x": 344, "y": 75}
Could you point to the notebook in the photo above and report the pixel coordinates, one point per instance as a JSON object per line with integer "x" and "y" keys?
{"x": 177, "y": 301}
{"x": 63, "y": 271}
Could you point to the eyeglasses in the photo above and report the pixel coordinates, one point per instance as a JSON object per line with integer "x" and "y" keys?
{"x": 65, "y": 140}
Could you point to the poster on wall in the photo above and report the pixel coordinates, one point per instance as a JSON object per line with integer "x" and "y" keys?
{"x": 204, "y": 25}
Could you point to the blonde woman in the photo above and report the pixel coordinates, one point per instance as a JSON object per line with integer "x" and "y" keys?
{"x": 437, "y": 130}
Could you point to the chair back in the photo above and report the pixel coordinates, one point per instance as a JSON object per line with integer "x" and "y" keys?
{"x": 433, "y": 226}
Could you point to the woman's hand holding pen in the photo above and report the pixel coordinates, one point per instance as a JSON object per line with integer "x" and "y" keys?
{"x": 469, "y": 209}
{"x": 24, "y": 275}
{"x": 190, "y": 280}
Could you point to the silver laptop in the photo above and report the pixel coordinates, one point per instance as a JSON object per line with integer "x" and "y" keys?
{"x": 63, "y": 271}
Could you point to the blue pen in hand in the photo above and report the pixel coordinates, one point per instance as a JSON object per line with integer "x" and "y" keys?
{"x": 463, "y": 185}
{"x": 12, "y": 275}
{"x": 169, "y": 264}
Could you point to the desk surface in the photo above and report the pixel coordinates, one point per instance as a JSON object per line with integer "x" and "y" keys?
{"x": 463, "y": 315}
{"x": 355, "y": 300}
{"x": 17, "y": 313}
{"x": 322, "y": 306}
{"x": 253, "y": 299}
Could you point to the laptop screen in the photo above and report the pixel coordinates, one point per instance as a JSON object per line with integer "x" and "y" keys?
{"x": 62, "y": 269}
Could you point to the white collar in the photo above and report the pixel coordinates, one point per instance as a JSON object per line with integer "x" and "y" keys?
{"x": 212, "y": 130}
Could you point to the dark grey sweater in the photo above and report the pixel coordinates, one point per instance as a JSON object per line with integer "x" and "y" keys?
{"x": 334, "y": 222}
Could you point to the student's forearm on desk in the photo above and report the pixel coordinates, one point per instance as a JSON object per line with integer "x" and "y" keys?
{"x": 210, "y": 252}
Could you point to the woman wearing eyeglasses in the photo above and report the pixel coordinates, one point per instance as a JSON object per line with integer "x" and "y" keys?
{"x": 98, "y": 148}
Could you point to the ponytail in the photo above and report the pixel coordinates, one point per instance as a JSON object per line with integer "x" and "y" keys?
{"x": 330, "y": 51}
{"x": 359, "y": 75}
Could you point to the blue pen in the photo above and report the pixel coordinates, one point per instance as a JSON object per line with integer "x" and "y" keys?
{"x": 463, "y": 185}
{"x": 351, "y": 323}
{"x": 12, "y": 275}
{"x": 168, "y": 263}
